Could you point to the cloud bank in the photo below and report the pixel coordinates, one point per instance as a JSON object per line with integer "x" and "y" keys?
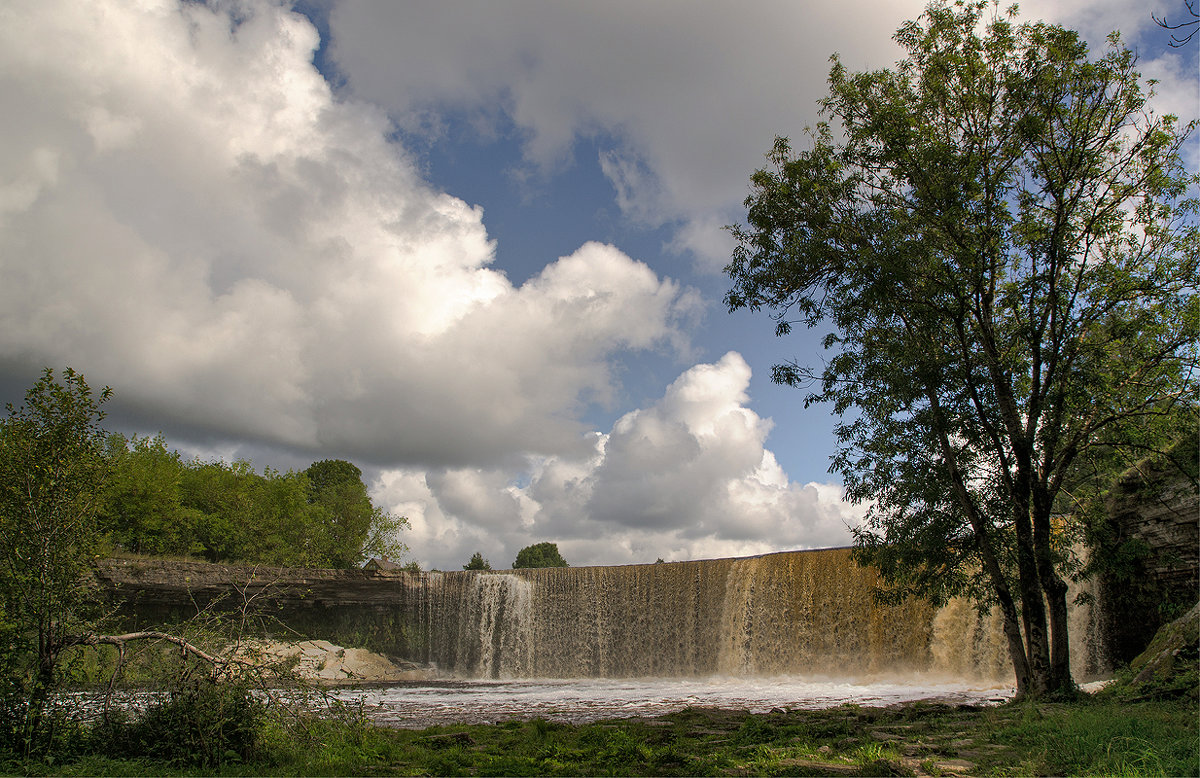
{"x": 687, "y": 94}
{"x": 687, "y": 477}
{"x": 691, "y": 92}
{"x": 188, "y": 213}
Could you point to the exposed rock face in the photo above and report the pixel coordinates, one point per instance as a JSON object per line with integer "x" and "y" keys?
{"x": 810, "y": 611}
{"x": 327, "y": 663}
{"x": 793, "y": 612}
{"x": 1154, "y": 528}
{"x": 349, "y": 607}
{"x": 1174, "y": 649}
{"x": 184, "y": 583}
{"x": 1162, "y": 508}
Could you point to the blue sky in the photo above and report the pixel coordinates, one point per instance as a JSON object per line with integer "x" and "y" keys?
{"x": 474, "y": 247}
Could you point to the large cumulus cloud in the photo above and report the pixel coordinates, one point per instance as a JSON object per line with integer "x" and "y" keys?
{"x": 686, "y": 94}
{"x": 189, "y": 214}
{"x": 689, "y": 476}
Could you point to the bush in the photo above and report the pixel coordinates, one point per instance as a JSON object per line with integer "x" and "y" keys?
{"x": 204, "y": 723}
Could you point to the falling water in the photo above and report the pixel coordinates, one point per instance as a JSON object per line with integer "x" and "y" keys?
{"x": 795, "y": 613}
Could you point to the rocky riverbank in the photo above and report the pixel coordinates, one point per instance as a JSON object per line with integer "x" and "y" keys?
{"x": 327, "y": 663}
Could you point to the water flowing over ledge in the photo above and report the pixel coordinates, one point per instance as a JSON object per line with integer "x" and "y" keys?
{"x": 787, "y": 614}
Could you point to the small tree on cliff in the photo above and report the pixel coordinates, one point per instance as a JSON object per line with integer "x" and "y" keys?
{"x": 999, "y": 235}
{"x": 356, "y": 529}
{"x": 342, "y": 510}
{"x": 478, "y": 563}
{"x": 539, "y": 555}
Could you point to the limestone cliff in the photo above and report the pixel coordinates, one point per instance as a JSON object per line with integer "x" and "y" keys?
{"x": 349, "y": 607}
{"x": 1152, "y": 540}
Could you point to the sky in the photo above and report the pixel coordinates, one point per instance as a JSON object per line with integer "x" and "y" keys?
{"x": 475, "y": 248}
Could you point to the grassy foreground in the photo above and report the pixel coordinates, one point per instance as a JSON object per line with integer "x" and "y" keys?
{"x": 1102, "y": 735}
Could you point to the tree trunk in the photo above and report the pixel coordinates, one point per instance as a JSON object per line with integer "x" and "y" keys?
{"x": 1059, "y": 681}
{"x": 1019, "y": 653}
{"x": 1033, "y": 604}
{"x": 1016, "y": 648}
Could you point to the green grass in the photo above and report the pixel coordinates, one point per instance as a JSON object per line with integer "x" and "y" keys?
{"x": 1094, "y": 736}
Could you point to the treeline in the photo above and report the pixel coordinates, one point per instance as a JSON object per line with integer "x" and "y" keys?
{"x": 155, "y": 502}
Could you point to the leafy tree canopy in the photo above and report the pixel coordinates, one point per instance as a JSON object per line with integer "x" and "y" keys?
{"x": 1004, "y": 238}
{"x": 478, "y": 563}
{"x": 156, "y": 503}
{"x": 342, "y": 509}
{"x": 539, "y": 555}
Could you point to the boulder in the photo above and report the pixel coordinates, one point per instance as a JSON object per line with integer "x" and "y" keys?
{"x": 1175, "y": 649}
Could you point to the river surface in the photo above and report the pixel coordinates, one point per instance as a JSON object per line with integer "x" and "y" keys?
{"x": 422, "y": 704}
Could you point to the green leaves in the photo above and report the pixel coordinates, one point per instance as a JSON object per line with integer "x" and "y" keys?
{"x": 155, "y": 503}
{"x": 539, "y": 555}
{"x": 52, "y": 469}
{"x": 999, "y": 241}
{"x": 477, "y": 563}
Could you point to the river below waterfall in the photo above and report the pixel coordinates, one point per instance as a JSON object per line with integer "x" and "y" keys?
{"x": 421, "y": 704}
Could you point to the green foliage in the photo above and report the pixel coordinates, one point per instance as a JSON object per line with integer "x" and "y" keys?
{"x": 201, "y": 723}
{"x": 52, "y": 468}
{"x": 1093, "y": 737}
{"x": 342, "y": 510}
{"x": 539, "y": 555}
{"x": 142, "y": 507}
{"x": 1001, "y": 238}
{"x": 155, "y": 503}
{"x": 478, "y": 563}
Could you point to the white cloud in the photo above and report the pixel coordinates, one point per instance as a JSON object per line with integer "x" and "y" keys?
{"x": 691, "y": 92}
{"x": 188, "y": 213}
{"x": 687, "y": 477}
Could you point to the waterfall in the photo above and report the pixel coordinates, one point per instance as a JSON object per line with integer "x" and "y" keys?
{"x": 482, "y": 624}
{"x": 792, "y": 613}
{"x": 969, "y": 644}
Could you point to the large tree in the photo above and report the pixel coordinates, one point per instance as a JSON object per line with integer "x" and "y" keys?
{"x": 1004, "y": 237}
{"x": 339, "y": 497}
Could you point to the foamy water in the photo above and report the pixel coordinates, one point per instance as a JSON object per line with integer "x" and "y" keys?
{"x": 417, "y": 705}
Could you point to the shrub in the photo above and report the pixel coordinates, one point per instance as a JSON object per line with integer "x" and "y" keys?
{"x": 203, "y": 723}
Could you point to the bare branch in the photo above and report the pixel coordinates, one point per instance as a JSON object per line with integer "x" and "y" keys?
{"x": 1176, "y": 41}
